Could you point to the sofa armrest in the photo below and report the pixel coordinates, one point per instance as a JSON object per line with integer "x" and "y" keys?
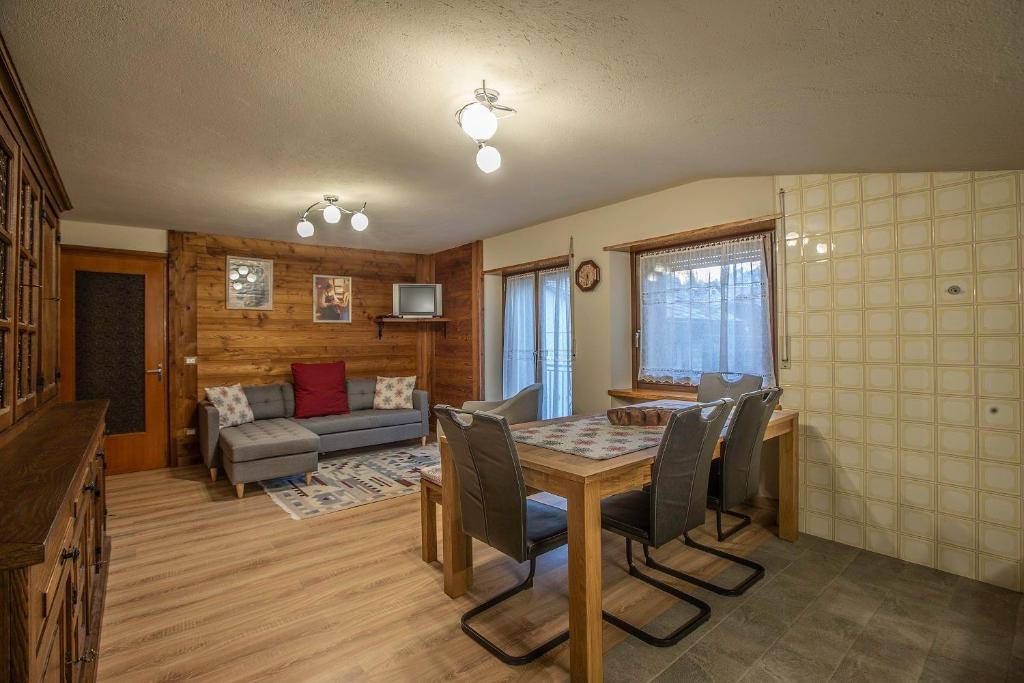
{"x": 481, "y": 405}
{"x": 209, "y": 433}
{"x": 421, "y": 402}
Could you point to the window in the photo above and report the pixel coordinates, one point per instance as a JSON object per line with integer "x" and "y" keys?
{"x": 704, "y": 307}
{"x": 538, "y": 338}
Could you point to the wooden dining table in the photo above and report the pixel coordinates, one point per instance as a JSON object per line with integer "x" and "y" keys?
{"x": 583, "y": 482}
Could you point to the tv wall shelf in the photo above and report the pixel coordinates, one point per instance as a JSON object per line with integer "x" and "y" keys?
{"x": 383, "y": 320}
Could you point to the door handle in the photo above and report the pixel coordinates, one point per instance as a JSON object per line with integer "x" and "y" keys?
{"x": 159, "y": 372}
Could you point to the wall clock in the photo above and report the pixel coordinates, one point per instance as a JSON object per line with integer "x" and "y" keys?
{"x": 587, "y": 275}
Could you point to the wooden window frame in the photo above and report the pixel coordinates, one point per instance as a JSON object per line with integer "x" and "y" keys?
{"x": 701, "y": 237}
{"x": 532, "y": 268}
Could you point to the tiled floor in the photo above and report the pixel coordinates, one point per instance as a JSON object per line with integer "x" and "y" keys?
{"x": 830, "y": 612}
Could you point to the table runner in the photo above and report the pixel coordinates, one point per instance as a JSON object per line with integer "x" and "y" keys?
{"x": 590, "y": 437}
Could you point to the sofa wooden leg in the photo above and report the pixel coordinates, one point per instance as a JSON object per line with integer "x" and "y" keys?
{"x": 239, "y": 490}
{"x": 213, "y": 474}
{"x": 423, "y": 441}
{"x": 428, "y": 526}
{"x": 309, "y": 478}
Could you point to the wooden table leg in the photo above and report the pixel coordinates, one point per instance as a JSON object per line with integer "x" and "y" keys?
{"x": 586, "y": 650}
{"x": 789, "y": 481}
{"x": 457, "y": 547}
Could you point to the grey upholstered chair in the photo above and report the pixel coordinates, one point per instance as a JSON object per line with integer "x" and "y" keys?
{"x": 495, "y": 508}
{"x": 716, "y": 385}
{"x": 523, "y": 407}
{"x": 674, "y": 503}
{"x": 736, "y": 475}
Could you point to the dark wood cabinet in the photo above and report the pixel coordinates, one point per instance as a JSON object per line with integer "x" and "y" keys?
{"x": 32, "y": 197}
{"x": 53, "y": 545}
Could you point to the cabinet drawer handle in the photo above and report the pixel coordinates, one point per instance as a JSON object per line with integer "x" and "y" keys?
{"x": 92, "y": 487}
{"x": 89, "y": 656}
{"x": 69, "y": 554}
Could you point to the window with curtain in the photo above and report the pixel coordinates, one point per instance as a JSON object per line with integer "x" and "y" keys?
{"x": 705, "y": 308}
{"x": 538, "y": 338}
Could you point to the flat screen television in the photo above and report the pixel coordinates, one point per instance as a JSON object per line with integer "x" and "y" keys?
{"x": 416, "y": 301}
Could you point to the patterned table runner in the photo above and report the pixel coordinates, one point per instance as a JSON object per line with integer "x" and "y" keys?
{"x": 591, "y": 437}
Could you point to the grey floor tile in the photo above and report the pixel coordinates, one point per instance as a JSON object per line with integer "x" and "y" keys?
{"x": 860, "y": 668}
{"x": 687, "y": 669}
{"x": 1015, "y": 672}
{"x": 938, "y": 668}
{"x": 798, "y": 660}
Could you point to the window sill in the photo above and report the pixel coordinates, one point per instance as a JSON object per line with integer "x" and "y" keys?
{"x": 654, "y": 394}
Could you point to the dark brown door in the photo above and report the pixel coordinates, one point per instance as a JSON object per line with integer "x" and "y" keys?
{"x": 113, "y": 341}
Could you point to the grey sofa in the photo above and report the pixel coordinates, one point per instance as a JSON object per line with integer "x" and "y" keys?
{"x": 277, "y": 444}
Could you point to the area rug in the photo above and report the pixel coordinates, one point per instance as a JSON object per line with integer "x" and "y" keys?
{"x": 348, "y": 481}
{"x": 592, "y": 437}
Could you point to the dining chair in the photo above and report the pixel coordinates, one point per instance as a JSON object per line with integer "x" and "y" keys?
{"x": 496, "y": 511}
{"x": 716, "y": 385}
{"x": 524, "y": 406}
{"x": 736, "y": 475}
{"x": 674, "y": 503}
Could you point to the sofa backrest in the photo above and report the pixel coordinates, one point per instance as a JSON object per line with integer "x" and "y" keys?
{"x": 271, "y": 400}
{"x": 360, "y": 393}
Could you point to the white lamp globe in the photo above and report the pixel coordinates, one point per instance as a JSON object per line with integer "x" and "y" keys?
{"x": 479, "y": 122}
{"x": 359, "y": 221}
{"x": 332, "y": 214}
{"x": 488, "y": 159}
{"x": 304, "y": 228}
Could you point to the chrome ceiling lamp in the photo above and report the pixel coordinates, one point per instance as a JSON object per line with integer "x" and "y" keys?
{"x": 332, "y": 214}
{"x": 479, "y": 120}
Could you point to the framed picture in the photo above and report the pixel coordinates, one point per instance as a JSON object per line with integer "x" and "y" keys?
{"x": 332, "y": 299}
{"x": 250, "y": 283}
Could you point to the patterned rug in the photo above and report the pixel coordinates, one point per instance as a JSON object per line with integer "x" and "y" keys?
{"x": 592, "y": 437}
{"x": 348, "y": 481}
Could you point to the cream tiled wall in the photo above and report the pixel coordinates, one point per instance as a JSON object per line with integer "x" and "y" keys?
{"x": 904, "y": 310}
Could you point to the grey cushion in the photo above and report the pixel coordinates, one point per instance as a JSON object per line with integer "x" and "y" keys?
{"x": 363, "y": 419}
{"x": 360, "y": 393}
{"x": 266, "y": 439}
{"x": 431, "y": 473}
{"x": 268, "y": 401}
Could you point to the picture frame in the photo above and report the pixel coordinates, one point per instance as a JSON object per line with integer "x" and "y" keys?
{"x": 332, "y": 299}
{"x": 249, "y": 283}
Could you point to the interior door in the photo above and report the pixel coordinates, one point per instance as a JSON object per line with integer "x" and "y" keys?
{"x": 113, "y": 345}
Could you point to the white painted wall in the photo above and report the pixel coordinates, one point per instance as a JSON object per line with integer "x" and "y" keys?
{"x": 81, "y": 234}
{"x": 602, "y": 316}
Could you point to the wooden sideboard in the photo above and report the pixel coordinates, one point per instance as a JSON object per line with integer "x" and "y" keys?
{"x": 53, "y": 545}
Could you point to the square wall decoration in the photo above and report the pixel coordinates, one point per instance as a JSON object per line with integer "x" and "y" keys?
{"x": 250, "y": 283}
{"x": 332, "y": 299}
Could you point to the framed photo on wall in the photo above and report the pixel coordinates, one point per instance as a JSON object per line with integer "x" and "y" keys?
{"x": 250, "y": 283}
{"x": 332, "y": 299}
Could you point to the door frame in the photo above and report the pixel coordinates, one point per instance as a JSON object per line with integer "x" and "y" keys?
{"x": 96, "y": 259}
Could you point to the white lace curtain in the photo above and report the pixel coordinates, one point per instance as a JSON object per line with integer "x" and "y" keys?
{"x": 706, "y": 308}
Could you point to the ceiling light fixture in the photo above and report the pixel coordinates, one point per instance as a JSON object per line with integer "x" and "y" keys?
{"x": 332, "y": 214}
{"x": 479, "y": 120}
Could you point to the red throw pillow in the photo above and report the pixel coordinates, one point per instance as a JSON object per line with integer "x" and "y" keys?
{"x": 320, "y": 389}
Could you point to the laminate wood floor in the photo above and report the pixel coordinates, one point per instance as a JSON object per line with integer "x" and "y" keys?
{"x": 205, "y": 587}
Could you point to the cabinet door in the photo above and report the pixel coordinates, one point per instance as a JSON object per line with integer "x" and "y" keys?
{"x": 53, "y": 662}
{"x": 27, "y": 377}
{"x": 49, "y": 307}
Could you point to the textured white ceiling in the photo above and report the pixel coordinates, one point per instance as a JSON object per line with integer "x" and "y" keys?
{"x": 231, "y": 116}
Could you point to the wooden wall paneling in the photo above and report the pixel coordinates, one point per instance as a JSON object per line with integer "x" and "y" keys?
{"x": 457, "y": 366}
{"x": 258, "y": 347}
{"x": 181, "y": 341}
{"x": 426, "y": 333}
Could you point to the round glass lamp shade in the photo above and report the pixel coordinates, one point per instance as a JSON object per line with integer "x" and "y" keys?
{"x": 332, "y": 214}
{"x": 359, "y": 221}
{"x": 479, "y": 122}
{"x": 488, "y": 159}
{"x": 304, "y": 228}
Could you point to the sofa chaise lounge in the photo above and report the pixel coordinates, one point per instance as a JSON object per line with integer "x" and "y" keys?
{"x": 277, "y": 444}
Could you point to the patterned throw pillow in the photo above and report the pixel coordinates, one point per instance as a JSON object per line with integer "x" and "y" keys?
{"x": 393, "y": 393}
{"x": 231, "y": 403}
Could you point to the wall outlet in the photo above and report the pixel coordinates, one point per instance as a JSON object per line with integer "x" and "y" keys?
{"x": 190, "y": 360}
{"x": 190, "y": 431}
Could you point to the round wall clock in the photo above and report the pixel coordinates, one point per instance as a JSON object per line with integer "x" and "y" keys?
{"x": 587, "y": 275}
